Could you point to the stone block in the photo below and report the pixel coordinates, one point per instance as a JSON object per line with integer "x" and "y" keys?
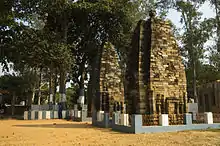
{"x": 208, "y": 117}
{"x": 164, "y": 120}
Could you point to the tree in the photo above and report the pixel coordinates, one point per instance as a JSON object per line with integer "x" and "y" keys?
{"x": 195, "y": 35}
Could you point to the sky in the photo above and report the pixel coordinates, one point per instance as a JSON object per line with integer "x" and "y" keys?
{"x": 174, "y": 16}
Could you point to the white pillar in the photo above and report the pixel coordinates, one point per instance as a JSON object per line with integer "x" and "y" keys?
{"x": 100, "y": 115}
{"x": 39, "y": 115}
{"x": 32, "y": 115}
{"x": 164, "y": 120}
{"x": 208, "y": 118}
{"x": 71, "y": 113}
{"x": 63, "y": 114}
{"x": 25, "y": 115}
{"x": 79, "y": 114}
{"x": 48, "y": 115}
{"x": 55, "y": 115}
{"x": 124, "y": 119}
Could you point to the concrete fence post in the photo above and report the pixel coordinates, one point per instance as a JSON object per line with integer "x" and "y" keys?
{"x": 124, "y": 119}
{"x": 26, "y": 115}
{"x": 208, "y": 117}
{"x": 164, "y": 120}
{"x": 136, "y": 121}
{"x": 100, "y": 115}
{"x": 187, "y": 119}
{"x": 47, "y": 115}
{"x": 115, "y": 118}
{"x": 40, "y": 115}
{"x": 83, "y": 115}
{"x": 64, "y": 114}
{"x": 55, "y": 114}
{"x": 32, "y": 115}
{"x": 106, "y": 120}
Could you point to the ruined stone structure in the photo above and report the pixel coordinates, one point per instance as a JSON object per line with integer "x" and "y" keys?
{"x": 111, "y": 86}
{"x": 156, "y": 81}
{"x": 209, "y": 97}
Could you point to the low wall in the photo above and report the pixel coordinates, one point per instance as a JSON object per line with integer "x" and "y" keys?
{"x": 75, "y": 115}
{"x": 136, "y": 124}
{"x": 173, "y": 128}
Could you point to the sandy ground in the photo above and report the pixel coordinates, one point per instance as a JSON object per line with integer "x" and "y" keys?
{"x": 45, "y": 132}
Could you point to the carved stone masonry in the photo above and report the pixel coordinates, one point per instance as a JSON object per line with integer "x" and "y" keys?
{"x": 111, "y": 86}
{"x": 156, "y": 81}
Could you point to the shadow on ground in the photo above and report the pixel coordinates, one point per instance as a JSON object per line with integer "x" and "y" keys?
{"x": 69, "y": 125}
{"x": 56, "y": 125}
{"x": 9, "y": 117}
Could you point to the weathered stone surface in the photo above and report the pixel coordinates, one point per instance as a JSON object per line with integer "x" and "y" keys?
{"x": 156, "y": 81}
{"x": 111, "y": 86}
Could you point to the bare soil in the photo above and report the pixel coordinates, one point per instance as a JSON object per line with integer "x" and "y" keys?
{"x": 62, "y": 133}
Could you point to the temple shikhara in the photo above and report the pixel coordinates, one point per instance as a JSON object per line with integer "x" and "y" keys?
{"x": 111, "y": 85}
{"x": 155, "y": 79}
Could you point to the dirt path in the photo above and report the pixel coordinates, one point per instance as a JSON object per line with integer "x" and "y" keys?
{"x": 63, "y": 133}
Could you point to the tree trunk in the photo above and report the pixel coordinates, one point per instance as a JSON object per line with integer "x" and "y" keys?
{"x": 29, "y": 100}
{"x": 55, "y": 87}
{"x": 39, "y": 88}
{"x": 194, "y": 81}
{"x": 63, "y": 89}
{"x": 95, "y": 78}
{"x": 217, "y": 13}
{"x": 13, "y": 104}
{"x": 33, "y": 95}
{"x": 50, "y": 90}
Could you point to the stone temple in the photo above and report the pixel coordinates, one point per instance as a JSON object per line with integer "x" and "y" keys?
{"x": 155, "y": 76}
{"x": 111, "y": 85}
